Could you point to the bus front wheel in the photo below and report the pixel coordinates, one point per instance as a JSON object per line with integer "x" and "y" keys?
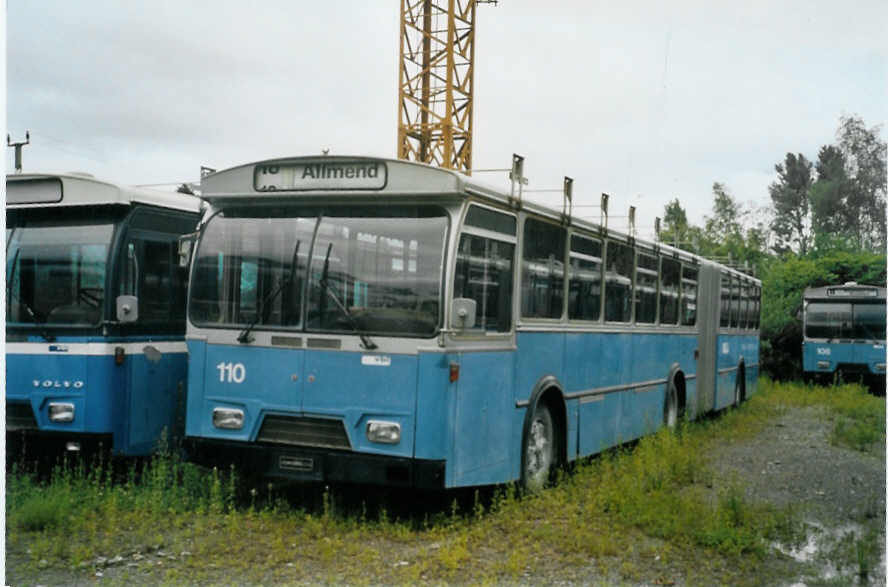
{"x": 539, "y": 449}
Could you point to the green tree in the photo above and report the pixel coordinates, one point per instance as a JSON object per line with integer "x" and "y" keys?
{"x": 831, "y": 223}
{"x": 675, "y": 225}
{"x": 790, "y": 198}
{"x": 865, "y": 165}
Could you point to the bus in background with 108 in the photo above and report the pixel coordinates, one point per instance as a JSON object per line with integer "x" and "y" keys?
{"x": 844, "y": 333}
{"x": 378, "y": 321}
{"x": 95, "y": 312}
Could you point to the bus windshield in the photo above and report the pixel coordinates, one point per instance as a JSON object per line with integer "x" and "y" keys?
{"x": 56, "y": 272}
{"x": 859, "y": 321}
{"x": 371, "y": 270}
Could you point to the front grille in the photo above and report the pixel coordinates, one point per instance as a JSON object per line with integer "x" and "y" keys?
{"x": 20, "y": 417}
{"x": 304, "y": 432}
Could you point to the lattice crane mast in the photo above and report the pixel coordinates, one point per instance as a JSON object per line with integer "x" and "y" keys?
{"x": 436, "y": 82}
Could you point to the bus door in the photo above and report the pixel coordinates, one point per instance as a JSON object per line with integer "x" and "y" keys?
{"x": 707, "y": 338}
{"x": 153, "y": 353}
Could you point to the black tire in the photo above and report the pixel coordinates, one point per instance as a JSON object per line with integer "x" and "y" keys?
{"x": 539, "y": 451}
{"x": 670, "y": 407}
{"x": 740, "y": 388}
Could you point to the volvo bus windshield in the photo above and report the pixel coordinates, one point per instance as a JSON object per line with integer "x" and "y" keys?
{"x": 344, "y": 269}
{"x": 56, "y": 272}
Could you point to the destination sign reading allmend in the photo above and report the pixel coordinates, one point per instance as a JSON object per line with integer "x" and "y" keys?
{"x": 320, "y": 175}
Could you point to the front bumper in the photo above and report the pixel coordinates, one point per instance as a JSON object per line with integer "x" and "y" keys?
{"x": 305, "y": 464}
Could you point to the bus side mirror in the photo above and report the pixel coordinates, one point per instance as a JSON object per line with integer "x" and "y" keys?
{"x": 186, "y": 244}
{"x": 127, "y": 309}
{"x": 462, "y": 314}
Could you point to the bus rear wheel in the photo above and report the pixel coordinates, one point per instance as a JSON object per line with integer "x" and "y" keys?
{"x": 670, "y": 408}
{"x": 539, "y": 452}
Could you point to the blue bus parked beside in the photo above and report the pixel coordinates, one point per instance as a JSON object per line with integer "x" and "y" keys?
{"x": 95, "y": 312}
{"x": 844, "y": 333}
{"x": 378, "y": 321}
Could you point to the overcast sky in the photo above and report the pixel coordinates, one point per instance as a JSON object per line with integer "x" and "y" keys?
{"x": 645, "y": 100}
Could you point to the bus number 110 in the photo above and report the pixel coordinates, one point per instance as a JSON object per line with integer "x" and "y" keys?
{"x": 232, "y": 372}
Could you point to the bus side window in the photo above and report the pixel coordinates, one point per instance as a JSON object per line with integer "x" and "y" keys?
{"x": 725, "y": 312}
{"x": 542, "y": 270}
{"x": 618, "y": 282}
{"x": 584, "y": 290}
{"x": 757, "y": 313}
{"x": 688, "y": 296}
{"x": 484, "y": 274}
{"x": 646, "y": 289}
{"x": 735, "y": 302}
{"x": 669, "y": 284}
{"x": 745, "y": 308}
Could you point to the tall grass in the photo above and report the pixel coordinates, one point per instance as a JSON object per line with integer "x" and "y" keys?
{"x": 653, "y": 499}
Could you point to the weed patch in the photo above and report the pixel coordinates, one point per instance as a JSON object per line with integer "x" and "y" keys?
{"x": 651, "y": 505}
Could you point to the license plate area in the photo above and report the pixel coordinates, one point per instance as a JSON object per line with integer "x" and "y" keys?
{"x": 299, "y": 464}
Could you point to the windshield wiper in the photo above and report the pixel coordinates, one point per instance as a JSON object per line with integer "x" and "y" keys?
{"x": 365, "y": 340}
{"x": 31, "y": 311}
{"x": 244, "y": 336}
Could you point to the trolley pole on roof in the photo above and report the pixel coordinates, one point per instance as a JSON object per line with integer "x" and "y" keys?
{"x": 18, "y": 149}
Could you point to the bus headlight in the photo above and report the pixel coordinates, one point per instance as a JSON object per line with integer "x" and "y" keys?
{"x": 383, "y": 432}
{"x": 61, "y": 413}
{"x": 228, "y": 418}
{"x": 823, "y": 364}
{"x": 880, "y": 367}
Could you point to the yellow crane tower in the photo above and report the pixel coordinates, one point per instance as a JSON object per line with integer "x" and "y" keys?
{"x": 435, "y": 82}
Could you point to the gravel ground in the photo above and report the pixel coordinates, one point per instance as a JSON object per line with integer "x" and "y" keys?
{"x": 837, "y": 490}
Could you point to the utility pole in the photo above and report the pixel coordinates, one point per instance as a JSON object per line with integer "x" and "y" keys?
{"x": 18, "y": 149}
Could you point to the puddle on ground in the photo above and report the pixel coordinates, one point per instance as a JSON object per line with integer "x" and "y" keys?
{"x": 820, "y": 549}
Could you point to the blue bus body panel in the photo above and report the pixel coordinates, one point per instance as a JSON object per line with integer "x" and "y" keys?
{"x": 313, "y": 383}
{"x": 731, "y": 349}
{"x": 39, "y": 379}
{"x": 133, "y": 402}
{"x": 867, "y": 355}
{"x": 485, "y": 421}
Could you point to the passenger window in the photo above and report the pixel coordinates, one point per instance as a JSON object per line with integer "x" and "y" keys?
{"x": 542, "y": 281}
{"x": 618, "y": 283}
{"x": 584, "y": 296}
{"x": 646, "y": 289}
{"x": 484, "y": 274}
{"x": 670, "y": 279}
{"x": 735, "y": 302}
{"x": 725, "y": 312}
{"x": 688, "y": 296}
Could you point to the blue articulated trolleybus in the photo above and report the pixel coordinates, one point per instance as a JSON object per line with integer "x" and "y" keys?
{"x": 844, "y": 332}
{"x": 379, "y": 321}
{"x": 95, "y": 314}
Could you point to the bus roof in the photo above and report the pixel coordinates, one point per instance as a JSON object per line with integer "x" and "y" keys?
{"x": 847, "y": 291}
{"x": 317, "y": 176}
{"x": 42, "y": 190}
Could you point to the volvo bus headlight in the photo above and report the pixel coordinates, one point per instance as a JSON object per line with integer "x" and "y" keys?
{"x": 823, "y": 364}
{"x": 383, "y": 432}
{"x": 228, "y": 418}
{"x": 880, "y": 367}
{"x": 61, "y": 413}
